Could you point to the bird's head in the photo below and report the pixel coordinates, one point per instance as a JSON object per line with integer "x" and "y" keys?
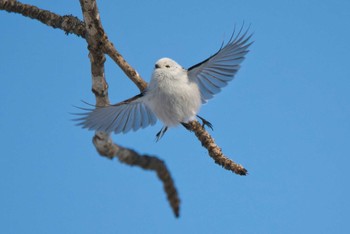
{"x": 167, "y": 63}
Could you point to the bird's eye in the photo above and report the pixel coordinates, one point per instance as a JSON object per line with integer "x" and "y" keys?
{"x": 167, "y": 66}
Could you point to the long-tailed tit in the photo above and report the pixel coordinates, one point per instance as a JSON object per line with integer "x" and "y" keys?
{"x": 174, "y": 94}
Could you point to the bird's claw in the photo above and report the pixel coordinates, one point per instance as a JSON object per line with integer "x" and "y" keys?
{"x": 205, "y": 123}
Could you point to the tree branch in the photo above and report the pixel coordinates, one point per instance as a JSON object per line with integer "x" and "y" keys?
{"x": 67, "y": 23}
{"x": 213, "y": 149}
{"x": 94, "y": 36}
{"x": 109, "y": 49}
{"x": 107, "y": 148}
{"x": 71, "y": 24}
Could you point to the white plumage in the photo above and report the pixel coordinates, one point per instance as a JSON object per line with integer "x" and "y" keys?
{"x": 172, "y": 97}
{"x": 174, "y": 94}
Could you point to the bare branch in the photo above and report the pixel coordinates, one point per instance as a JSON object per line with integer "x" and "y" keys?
{"x": 67, "y": 23}
{"x": 107, "y": 148}
{"x": 71, "y": 24}
{"x": 94, "y": 25}
{"x": 109, "y": 49}
{"x": 213, "y": 149}
{"x": 102, "y": 141}
{"x": 94, "y": 33}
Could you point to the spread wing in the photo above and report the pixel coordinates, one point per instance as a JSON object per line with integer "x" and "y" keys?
{"x": 131, "y": 114}
{"x": 216, "y": 71}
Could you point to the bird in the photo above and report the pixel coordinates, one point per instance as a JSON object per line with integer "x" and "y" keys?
{"x": 174, "y": 94}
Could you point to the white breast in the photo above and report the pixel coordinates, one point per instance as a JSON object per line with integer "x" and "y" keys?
{"x": 172, "y": 97}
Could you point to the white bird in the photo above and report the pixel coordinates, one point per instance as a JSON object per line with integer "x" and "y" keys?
{"x": 174, "y": 94}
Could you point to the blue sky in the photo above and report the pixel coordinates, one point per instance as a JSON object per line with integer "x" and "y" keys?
{"x": 285, "y": 117}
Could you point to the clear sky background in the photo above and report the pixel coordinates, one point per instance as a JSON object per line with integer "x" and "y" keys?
{"x": 285, "y": 117}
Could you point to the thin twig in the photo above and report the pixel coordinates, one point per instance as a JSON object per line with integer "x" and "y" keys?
{"x": 112, "y": 52}
{"x": 213, "y": 149}
{"x": 68, "y": 23}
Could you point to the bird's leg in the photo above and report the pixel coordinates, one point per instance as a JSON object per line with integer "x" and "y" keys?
{"x": 206, "y": 123}
{"x": 186, "y": 125}
{"x": 161, "y": 133}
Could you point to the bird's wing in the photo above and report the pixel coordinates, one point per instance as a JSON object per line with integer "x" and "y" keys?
{"x": 131, "y": 114}
{"x": 216, "y": 71}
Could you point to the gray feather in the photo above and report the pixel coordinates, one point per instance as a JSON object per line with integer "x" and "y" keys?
{"x": 215, "y": 72}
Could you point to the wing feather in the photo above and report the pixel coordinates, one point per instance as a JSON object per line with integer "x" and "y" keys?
{"x": 131, "y": 114}
{"x": 216, "y": 71}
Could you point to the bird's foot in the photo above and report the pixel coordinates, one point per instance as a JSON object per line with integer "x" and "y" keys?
{"x": 206, "y": 123}
{"x": 160, "y": 134}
